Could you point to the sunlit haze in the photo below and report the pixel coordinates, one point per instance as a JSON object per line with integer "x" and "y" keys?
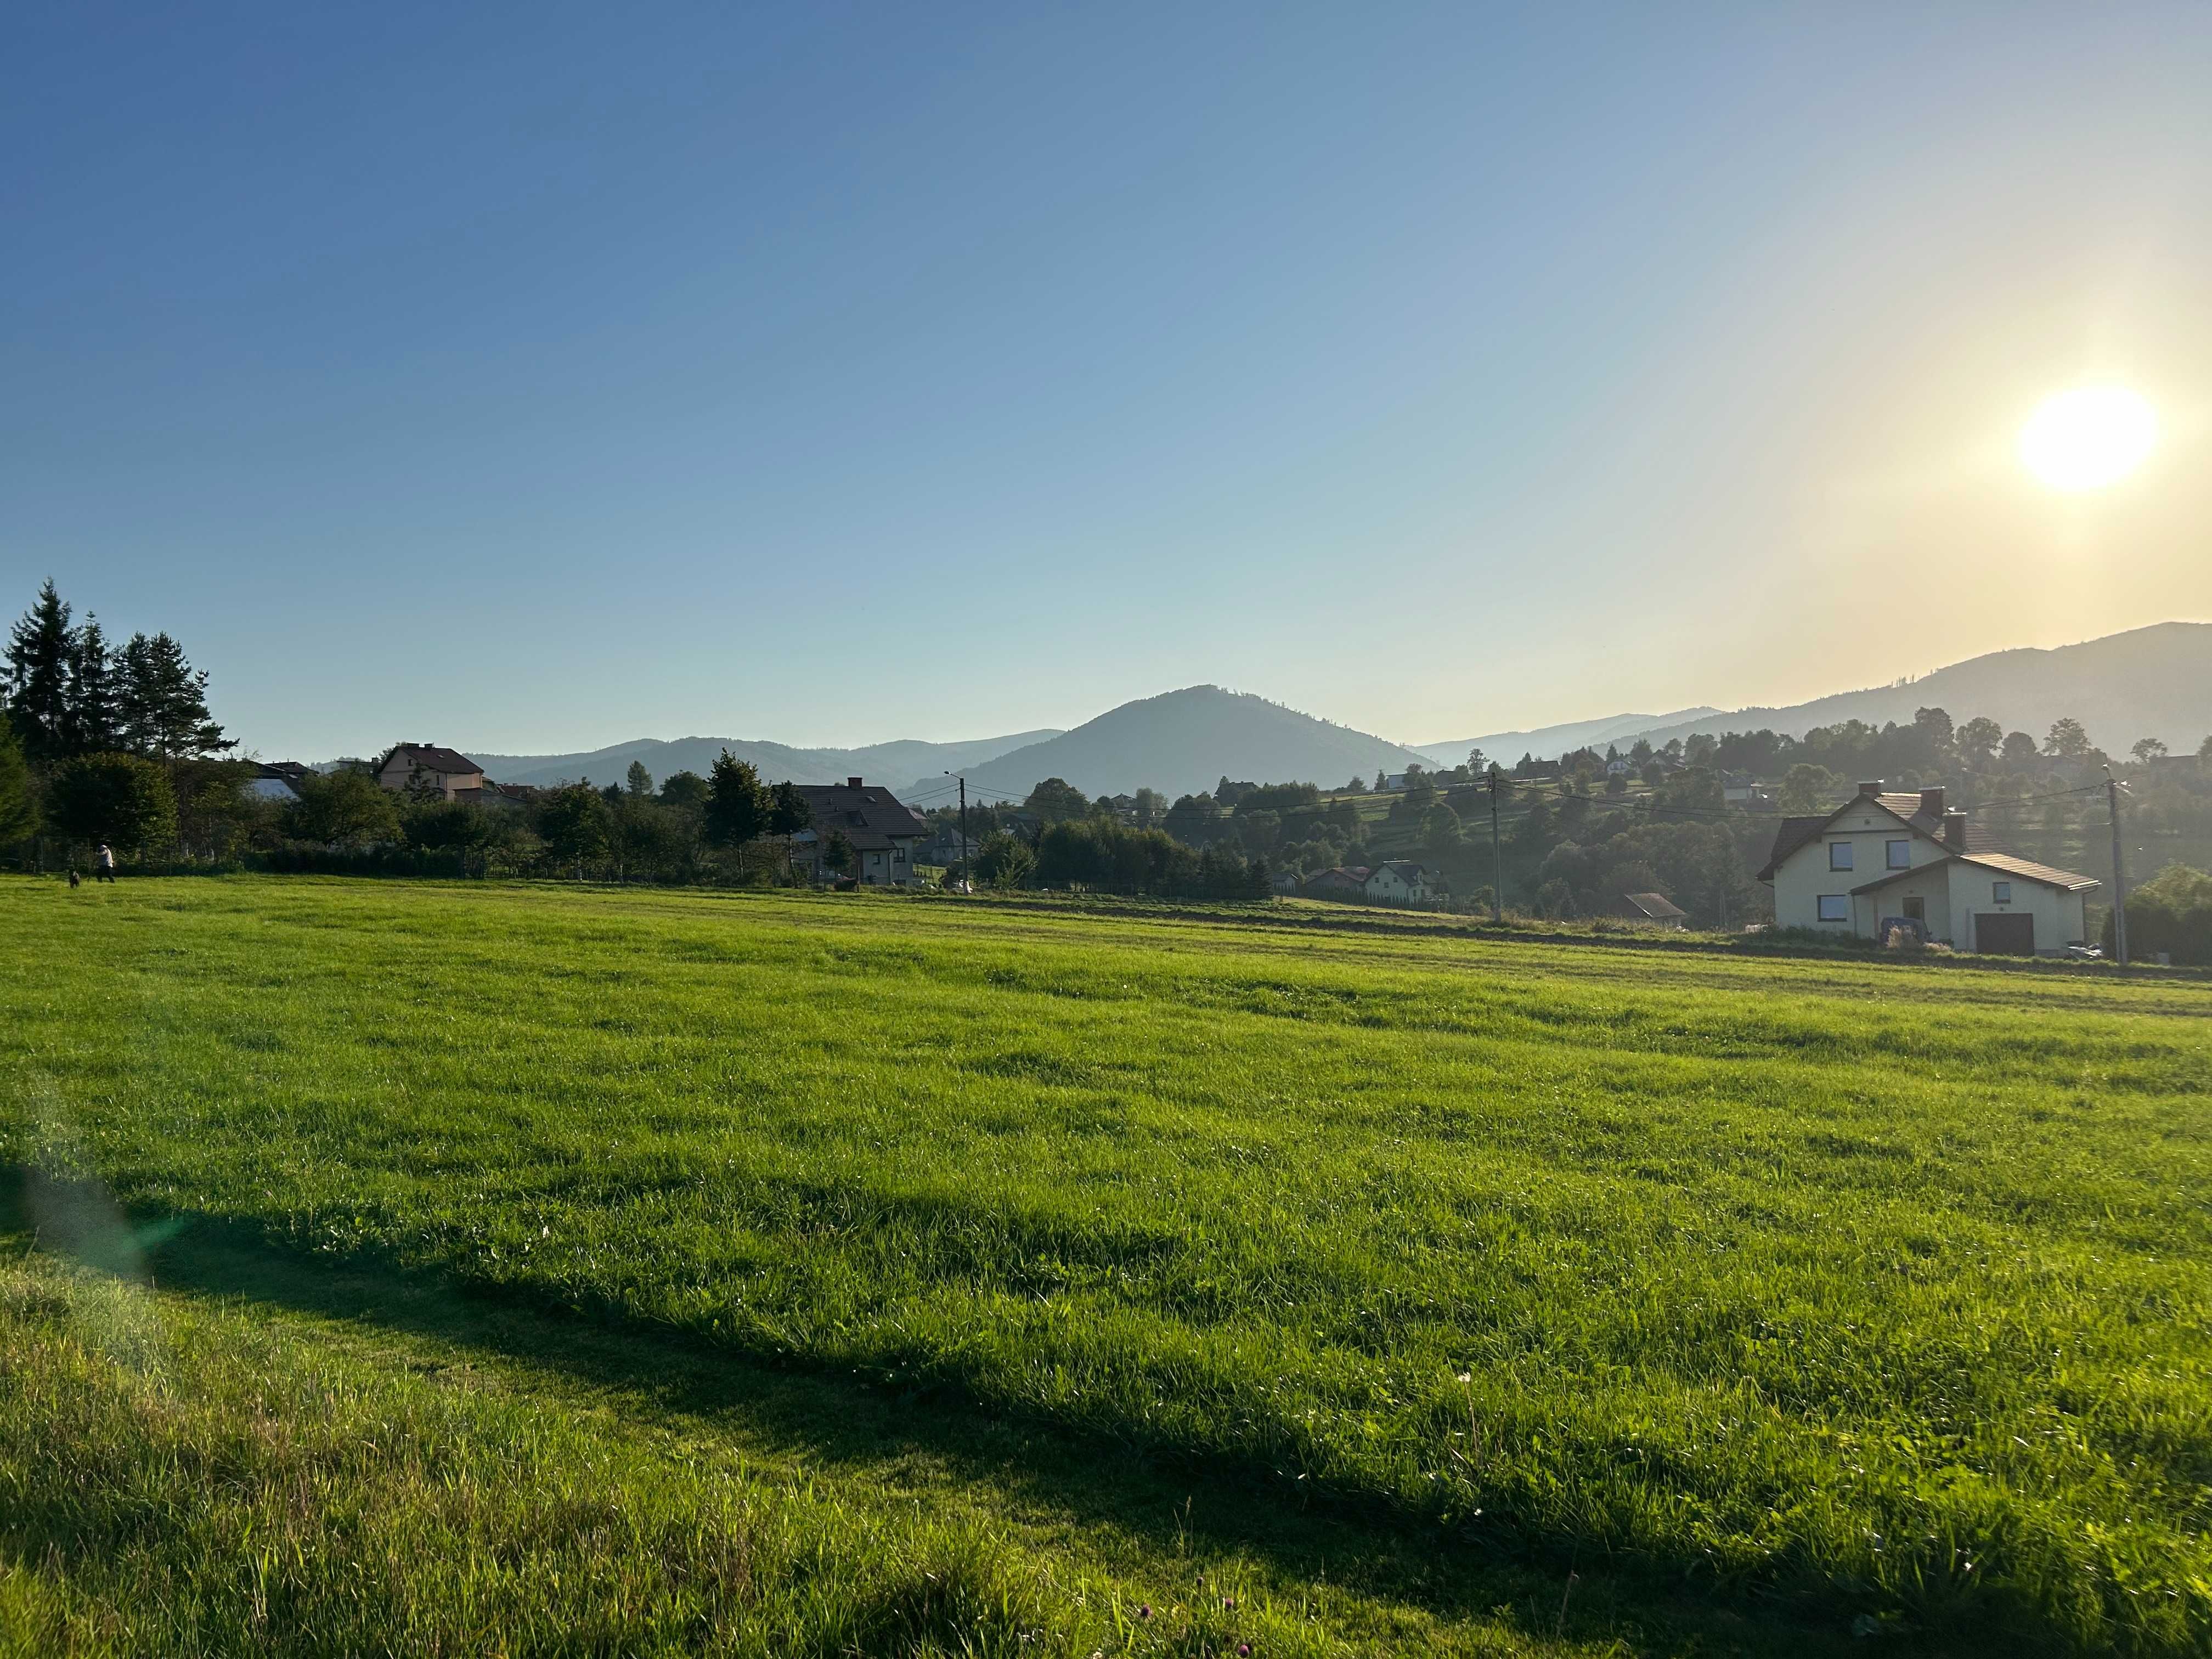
{"x": 2087, "y": 438}
{"x": 534, "y": 378}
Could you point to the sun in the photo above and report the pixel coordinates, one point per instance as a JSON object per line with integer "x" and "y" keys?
{"x": 2087, "y": 438}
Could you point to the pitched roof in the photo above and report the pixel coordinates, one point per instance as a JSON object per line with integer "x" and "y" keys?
{"x": 1903, "y": 805}
{"x": 2004, "y": 863}
{"x": 1657, "y": 906}
{"x": 428, "y": 758}
{"x": 290, "y": 771}
{"x": 1405, "y": 869}
{"x": 871, "y": 817}
{"x": 1356, "y": 875}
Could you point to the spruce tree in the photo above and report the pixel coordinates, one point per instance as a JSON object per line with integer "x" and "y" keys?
{"x": 163, "y": 703}
{"x": 92, "y": 721}
{"x": 736, "y": 805}
{"x": 19, "y": 814}
{"x": 39, "y": 677}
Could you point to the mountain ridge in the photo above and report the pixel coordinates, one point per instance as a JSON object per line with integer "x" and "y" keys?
{"x": 2154, "y": 681}
{"x": 778, "y": 761}
{"x": 1183, "y": 742}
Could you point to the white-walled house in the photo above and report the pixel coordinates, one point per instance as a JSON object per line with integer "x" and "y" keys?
{"x": 1395, "y": 881}
{"x": 884, "y": 834}
{"x": 1885, "y": 858}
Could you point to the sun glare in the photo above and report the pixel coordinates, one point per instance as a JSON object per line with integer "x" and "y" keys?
{"x": 2087, "y": 438}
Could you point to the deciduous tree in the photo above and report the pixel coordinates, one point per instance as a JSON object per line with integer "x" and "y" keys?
{"x": 344, "y": 809}
{"x": 122, "y": 799}
{"x": 2067, "y": 739}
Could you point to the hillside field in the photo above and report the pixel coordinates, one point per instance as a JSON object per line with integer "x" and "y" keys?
{"x": 859, "y": 1274}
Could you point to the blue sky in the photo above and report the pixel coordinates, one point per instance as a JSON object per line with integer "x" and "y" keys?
{"x": 534, "y": 378}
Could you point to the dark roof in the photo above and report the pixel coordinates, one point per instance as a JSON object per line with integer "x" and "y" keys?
{"x": 290, "y": 771}
{"x": 1903, "y": 805}
{"x": 1405, "y": 869}
{"x": 1657, "y": 906}
{"x": 1356, "y": 874}
{"x": 427, "y": 758}
{"x": 1794, "y": 833}
{"x": 870, "y": 817}
{"x": 2004, "y": 863}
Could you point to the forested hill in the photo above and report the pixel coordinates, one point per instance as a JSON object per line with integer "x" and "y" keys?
{"x": 2153, "y": 681}
{"x": 879, "y": 762}
{"x": 1183, "y": 742}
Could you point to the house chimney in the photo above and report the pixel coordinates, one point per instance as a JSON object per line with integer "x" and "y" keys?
{"x": 1954, "y": 830}
{"x": 852, "y": 783}
{"x": 1870, "y": 787}
{"x": 1931, "y": 803}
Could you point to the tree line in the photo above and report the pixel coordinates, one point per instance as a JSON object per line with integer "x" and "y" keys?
{"x": 104, "y": 743}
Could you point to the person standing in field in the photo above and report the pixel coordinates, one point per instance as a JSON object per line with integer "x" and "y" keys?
{"x": 103, "y": 863}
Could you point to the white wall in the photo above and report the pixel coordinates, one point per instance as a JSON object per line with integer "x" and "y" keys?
{"x": 1867, "y": 830}
{"x": 1953, "y": 893}
{"x": 2059, "y": 920}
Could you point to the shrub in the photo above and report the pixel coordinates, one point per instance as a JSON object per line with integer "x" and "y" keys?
{"x": 2172, "y": 912}
{"x": 118, "y": 799}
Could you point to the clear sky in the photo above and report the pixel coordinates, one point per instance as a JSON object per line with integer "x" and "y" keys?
{"x": 533, "y": 378}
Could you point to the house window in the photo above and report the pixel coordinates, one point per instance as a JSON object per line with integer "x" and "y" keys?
{"x": 2001, "y": 892}
{"x": 1836, "y": 907}
{"x": 1839, "y": 855}
{"x": 1901, "y": 854}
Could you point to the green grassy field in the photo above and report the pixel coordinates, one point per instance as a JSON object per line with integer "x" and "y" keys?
{"x": 1736, "y": 1303}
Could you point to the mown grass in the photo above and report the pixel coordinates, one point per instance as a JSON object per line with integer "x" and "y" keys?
{"x": 1833, "y": 1287}
{"x": 185, "y": 1476}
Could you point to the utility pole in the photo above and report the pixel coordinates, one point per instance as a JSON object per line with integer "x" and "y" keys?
{"x": 2119, "y": 874}
{"x": 963, "y": 826}
{"x": 1496, "y": 855}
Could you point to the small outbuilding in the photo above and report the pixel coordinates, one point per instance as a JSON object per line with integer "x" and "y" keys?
{"x": 1655, "y": 907}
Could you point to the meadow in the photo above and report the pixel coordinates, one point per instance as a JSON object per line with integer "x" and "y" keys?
{"x": 1739, "y": 1303}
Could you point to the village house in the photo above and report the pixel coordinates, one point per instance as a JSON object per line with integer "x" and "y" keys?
{"x": 425, "y": 765}
{"x": 1338, "y": 882}
{"x": 1397, "y": 881}
{"x": 885, "y": 837}
{"x": 276, "y": 781}
{"x": 1885, "y": 862}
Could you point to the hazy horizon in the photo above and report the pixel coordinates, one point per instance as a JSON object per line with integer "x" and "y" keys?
{"x": 536, "y": 381}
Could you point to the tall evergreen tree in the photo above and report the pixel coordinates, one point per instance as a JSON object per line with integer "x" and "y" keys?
{"x": 163, "y": 701}
{"x": 92, "y": 721}
{"x": 736, "y": 805}
{"x": 19, "y": 813}
{"x": 39, "y": 676}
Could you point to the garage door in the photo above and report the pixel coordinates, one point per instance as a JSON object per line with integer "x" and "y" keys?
{"x": 2005, "y": 933}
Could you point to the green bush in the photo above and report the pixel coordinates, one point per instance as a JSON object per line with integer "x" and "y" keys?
{"x": 2170, "y": 913}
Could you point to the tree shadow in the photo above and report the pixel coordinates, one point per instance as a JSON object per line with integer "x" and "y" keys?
{"x": 1164, "y": 1498}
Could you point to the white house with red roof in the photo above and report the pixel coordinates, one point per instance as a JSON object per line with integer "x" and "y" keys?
{"x": 1888, "y": 858}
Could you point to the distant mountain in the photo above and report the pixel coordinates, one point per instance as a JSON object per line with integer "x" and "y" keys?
{"x": 879, "y": 762}
{"x": 2153, "y": 681}
{"x": 1550, "y": 741}
{"x": 1183, "y": 742}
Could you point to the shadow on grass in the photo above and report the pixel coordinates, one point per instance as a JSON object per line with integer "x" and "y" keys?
{"x": 1165, "y": 1500}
